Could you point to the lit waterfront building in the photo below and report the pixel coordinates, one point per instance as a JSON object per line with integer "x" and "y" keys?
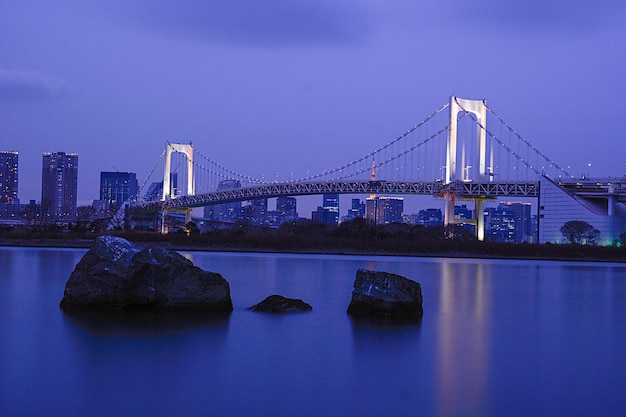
{"x": 384, "y": 210}
{"x": 117, "y": 187}
{"x": 59, "y": 183}
{"x": 328, "y": 213}
{"x": 430, "y": 217}
{"x": 286, "y": 208}
{"x": 509, "y": 222}
{"x": 603, "y": 207}
{"x": 8, "y": 176}
{"x": 255, "y": 212}
{"x": 357, "y": 209}
{"x": 229, "y": 212}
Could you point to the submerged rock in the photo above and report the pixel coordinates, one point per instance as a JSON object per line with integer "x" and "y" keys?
{"x": 382, "y": 294}
{"x": 117, "y": 275}
{"x": 280, "y": 304}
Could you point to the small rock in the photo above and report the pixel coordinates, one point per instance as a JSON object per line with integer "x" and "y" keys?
{"x": 382, "y": 294}
{"x": 280, "y": 304}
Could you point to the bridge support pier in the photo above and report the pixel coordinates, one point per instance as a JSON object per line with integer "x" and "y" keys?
{"x": 479, "y": 216}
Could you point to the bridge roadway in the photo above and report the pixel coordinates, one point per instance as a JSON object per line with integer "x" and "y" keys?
{"x": 460, "y": 189}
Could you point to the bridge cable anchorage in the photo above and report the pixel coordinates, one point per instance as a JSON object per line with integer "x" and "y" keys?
{"x": 537, "y": 151}
{"x": 371, "y": 154}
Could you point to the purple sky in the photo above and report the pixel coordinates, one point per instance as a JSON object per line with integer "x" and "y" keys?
{"x": 271, "y": 86}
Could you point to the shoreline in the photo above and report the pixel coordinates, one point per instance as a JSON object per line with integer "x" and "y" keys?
{"x": 337, "y": 250}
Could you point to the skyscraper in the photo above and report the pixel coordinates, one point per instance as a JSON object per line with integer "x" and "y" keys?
{"x": 357, "y": 210}
{"x": 384, "y": 210}
{"x": 228, "y": 212}
{"x": 8, "y": 176}
{"x": 117, "y": 187}
{"x": 286, "y": 206}
{"x": 59, "y": 183}
{"x": 510, "y": 222}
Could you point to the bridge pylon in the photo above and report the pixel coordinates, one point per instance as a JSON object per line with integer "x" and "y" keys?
{"x": 186, "y": 149}
{"x": 170, "y": 148}
{"x": 478, "y": 108}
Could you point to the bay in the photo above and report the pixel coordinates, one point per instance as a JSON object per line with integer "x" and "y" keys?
{"x": 498, "y": 337}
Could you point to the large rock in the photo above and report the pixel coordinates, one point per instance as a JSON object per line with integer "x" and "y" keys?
{"x": 280, "y": 304}
{"x": 381, "y": 294}
{"x": 117, "y": 275}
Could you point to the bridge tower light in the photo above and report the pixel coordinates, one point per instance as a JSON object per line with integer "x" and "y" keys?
{"x": 170, "y": 148}
{"x": 479, "y": 109}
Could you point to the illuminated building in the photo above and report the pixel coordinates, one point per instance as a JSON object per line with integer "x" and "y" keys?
{"x": 8, "y": 176}
{"x": 59, "y": 183}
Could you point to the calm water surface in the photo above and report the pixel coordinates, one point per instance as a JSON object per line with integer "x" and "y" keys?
{"x": 498, "y": 338}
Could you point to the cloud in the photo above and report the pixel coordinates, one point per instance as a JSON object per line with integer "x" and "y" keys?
{"x": 546, "y": 16}
{"x": 30, "y": 86}
{"x": 254, "y": 22}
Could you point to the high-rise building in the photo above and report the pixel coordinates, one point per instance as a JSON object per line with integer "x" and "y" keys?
{"x": 331, "y": 206}
{"x": 328, "y": 213}
{"x": 357, "y": 209}
{"x": 8, "y": 176}
{"x": 510, "y": 222}
{"x": 286, "y": 207}
{"x": 228, "y": 212}
{"x": 59, "y": 183}
{"x": 255, "y": 212}
{"x": 384, "y": 210}
{"x": 117, "y": 187}
{"x": 430, "y": 217}
{"x": 155, "y": 189}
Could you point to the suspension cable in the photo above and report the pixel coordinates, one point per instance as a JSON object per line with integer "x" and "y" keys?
{"x": 537, "y": 151}
{"x": 369, "y": 155}
{"x": 151, "y": 172}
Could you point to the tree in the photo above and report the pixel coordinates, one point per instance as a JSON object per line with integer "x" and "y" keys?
{"x": 578, "y": 232}
{"x": 622, "y": 239}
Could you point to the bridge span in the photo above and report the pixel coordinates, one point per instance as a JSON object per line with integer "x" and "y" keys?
{"x": 459, "y": 189}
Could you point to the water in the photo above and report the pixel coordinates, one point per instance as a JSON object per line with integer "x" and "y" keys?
{"x": 514, "y": 338}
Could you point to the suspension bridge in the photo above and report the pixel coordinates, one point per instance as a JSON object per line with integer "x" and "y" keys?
{"x": 453, "y": 154}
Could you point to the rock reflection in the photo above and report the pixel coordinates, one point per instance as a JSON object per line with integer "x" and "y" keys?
{"x": 145, "y": 323}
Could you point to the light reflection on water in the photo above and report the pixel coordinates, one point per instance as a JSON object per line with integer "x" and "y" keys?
{"x": 497, "y": 338}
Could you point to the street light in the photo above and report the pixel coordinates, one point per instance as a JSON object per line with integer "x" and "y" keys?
{"x": 466, "y": 169}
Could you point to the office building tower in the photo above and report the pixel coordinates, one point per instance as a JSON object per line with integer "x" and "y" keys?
{"x": 8, "y": 176}
{"x": 229, "y": 212}
{"x": 117, "y": 187}
{"x": 330, "y": 206}
{"x": 384, "y": 210}
{"x": 286, "y": 208}
{"x": 357, "y": 209}
{"x": 431, "y": 217}
{"x": 155, "y": 189}
{"x": 328, "y": 213}
{"x": 255, "y": 212}
{"x": 463, "y": 217}
{"x": 510, "y": 222}
{"x": 59, "y": 184}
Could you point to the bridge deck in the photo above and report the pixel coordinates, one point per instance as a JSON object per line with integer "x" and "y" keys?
{"x": 460, "y": 189}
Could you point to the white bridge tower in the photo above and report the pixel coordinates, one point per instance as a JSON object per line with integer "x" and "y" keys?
{"x": 187, "y": 149}
{"x": 478, "y": 108}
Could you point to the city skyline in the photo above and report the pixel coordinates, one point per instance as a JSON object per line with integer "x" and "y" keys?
{"x": 288, "y": 82}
